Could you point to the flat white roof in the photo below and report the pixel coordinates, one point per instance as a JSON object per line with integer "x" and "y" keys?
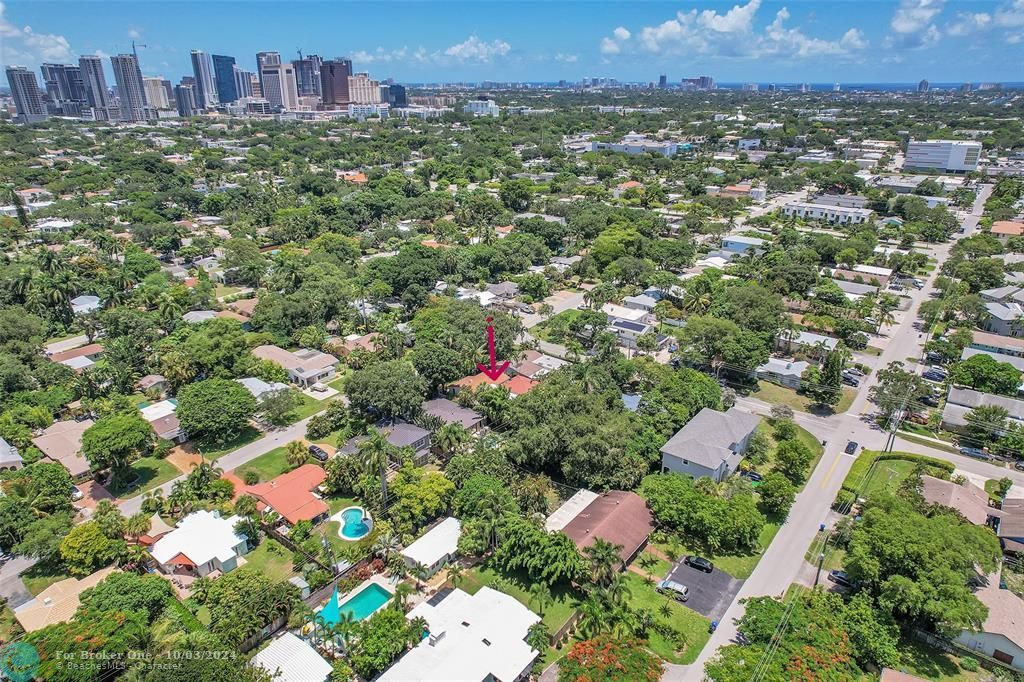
{"x": 201, "y": 536}
{"x": 293, "y": 659}
{"x": 440, "y": 541}
{"x": 158, "y": 410}
{"x": 472, "y": 638}
{"x": 569, "y": 510}
{"x": 623, "y": 313}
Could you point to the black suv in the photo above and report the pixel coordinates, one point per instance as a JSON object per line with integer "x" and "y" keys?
{"x": 700, "y": 563}
{"x": 851, "y": 447}
{"x": 318, "y": 453}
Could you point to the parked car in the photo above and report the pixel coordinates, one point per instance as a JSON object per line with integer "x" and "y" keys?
{"x": 934, "y": 357}
{"x": 840, "y": 578}
{"x": 674, "y": 590}
{"x": 700, "y": 563}
{"x": 931, "y": 400}
{"x": 751, "y": 474}
{"x": 318, "y": 453}
{"x": 977, "y": 453}
{"x": 319, "y": 388}
{"x": 76, "y": 493}
{"x": 1019, "y": 465}
{"x": 938, "y": 370}
{"x": 851, "y": 380}
{"x": 919, "y": 283}
{"x": 851, "y": 447}
{"x": 933, "y": 376}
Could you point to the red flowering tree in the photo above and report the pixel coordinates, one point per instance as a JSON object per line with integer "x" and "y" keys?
{"x": 604, "y": 659}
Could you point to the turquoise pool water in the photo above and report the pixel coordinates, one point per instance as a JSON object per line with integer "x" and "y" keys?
{"x": 353, "y": 526}
{"x": 361, "y": 605}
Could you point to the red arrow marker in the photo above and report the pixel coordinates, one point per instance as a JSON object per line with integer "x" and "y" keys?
{"x": 495, "y": 370}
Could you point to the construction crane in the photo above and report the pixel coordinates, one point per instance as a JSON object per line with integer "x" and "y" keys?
{"x": 299, "y": 50}
{"x": 135, "y": 51}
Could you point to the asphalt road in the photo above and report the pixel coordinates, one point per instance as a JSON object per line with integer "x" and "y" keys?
{"x": 784, "y": 558}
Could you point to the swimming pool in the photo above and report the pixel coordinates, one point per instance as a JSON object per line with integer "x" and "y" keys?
{"x": 361, "y": 605}
{"x": 355, "y": 523}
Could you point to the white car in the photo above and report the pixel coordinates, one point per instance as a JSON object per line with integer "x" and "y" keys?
{"x": 318, "y": 387}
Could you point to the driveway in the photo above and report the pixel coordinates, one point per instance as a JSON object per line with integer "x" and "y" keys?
{"x": 710, "y": 593}
{"x": 12, "y": 588}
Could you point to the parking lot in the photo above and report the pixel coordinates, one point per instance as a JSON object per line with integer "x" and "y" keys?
{"x": 710, "y": 593}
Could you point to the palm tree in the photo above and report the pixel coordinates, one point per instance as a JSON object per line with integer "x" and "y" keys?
{"x": 385, "y": 545}
{"x": 402, "y": 593}
{"x": 540, "y": 594}
{"x": 451, "y": 437}
{"x": 246, "y": 506}
{"x": 137, "y": 524}
{"x": 295, "y": 454}
{"x": 374, "y": 453}
{"x": 153, "y": 500}
{"x": 344, "y": 628}
{"x": 665, "y": 610}
{"x": 455, "y": 574}
{"x": 420, "y": 573}
{"x": 604, "y": 560}
{"x": 617, "y": 592}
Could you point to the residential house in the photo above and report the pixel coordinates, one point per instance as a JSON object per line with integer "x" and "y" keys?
{"x": 628, "y": 333}
{"x": 479, "y": 637}
{"x": 520, "y": 385}
{"x": 58, "y": 602}
{"x": 289, "y": 658}
{"x": 617, "y": 516}
{"x": 293, "y": 495}
{"x": 305, "y": 367}
{"x": 833, "y": 214}
{"x": 855, "y": 290}
{"x": 10, "y": 458}
{"x": 1015, "y": 360}
{"x": 1004, "y": 319}
{"x": 155, "y": 384}
{"x": 198, "y": 316}
{"x": 618, "y": 312}
{"x": 711, "y": 444}
{"x": 81, "y": 305}
{"x": 961, "y": 401}
{"x": 79, "y": 358}
{"x": 569, "y": 510}
{"x": 450, "y": 412}
{"x": 202, "y": 543}
{"x": 435, "y": 548}
{"x": 994, "y": 343}
{"x": 400, "y": 435}
{"x": 1004, "y": 230}
{"x": 244, "y": 306}
{"x": 62, "y": 442}
{"x": 162, "y": 416}
{"x": 535, "y": 365}
{"x": 1001, "y": 636}
{"x": 640, "y": 302}
{"x": 504, "y": 290}
{"x": 259, "y": 388}
{"x": 806, "y": 341}
{"x": 354, "y": 342}
{"x": 739, "y": 244}
{"x": 859, "y": 277}
{"x": 782, "y": 371}
{"x": 967, "y": 498}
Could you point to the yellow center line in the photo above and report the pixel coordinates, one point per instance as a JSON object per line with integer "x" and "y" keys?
{"x": 832, "y": 468}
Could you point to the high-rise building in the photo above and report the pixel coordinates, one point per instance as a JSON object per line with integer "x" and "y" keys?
{"x": 155, "y": 93}
{"x": 749, "y": 87}
{"x": 224, "y": 78}
{"x": 130, "y": 90}
{"x": 256, "y": 85}
{"x": 28, "y": 98}
{"x": 334, "y": 75}
{"x": 185, "y": 95}
{"x": 206, "y": 88}
{"x": 279, "y": 86}
{"x": 397, "y": 96}
{"x": 243, "y": 82}
{"x": 169, "y": 93}
{"x": 266, "y": 59}
{"x": 923, "y": 86}
{"x": 363, "y": 90}
{"x": 95, "y": 83}
{"x": 307, "y": 75}
{"x": 65, "y": 93}
{"x": 662, "y": 81}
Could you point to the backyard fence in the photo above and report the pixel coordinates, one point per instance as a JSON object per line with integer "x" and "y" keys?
{"x": 958, "y": 649}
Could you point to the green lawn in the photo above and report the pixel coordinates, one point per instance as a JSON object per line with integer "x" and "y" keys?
{"x": 215, "y": 450}
{"x": 917, "y": 658}
{"x": 693, "y": 625}
{"x": 888, "y": 474}
{"x": 780, "y": 395}
{"x": 336, "y": 504}
{"x": 653, "y": 564}
{"x": 268, "y": 465}
{"x": 143, "y": 474}
{"x": 802, "y": 435}
{"x": 736, "y": 565}
{"x": 834, "y": 557}
{"x": 271, "y": 559}
{"x": 42, "y": 575}
{"x": 555, "y": 328}
{"x": 220, "y": 291}
{"x": 554, "y": 615}
{"x": 930, "y": 443}
{"x": 308, "y": 408}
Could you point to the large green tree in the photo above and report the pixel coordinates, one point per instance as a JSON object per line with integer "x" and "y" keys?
{"x": 386, "y": 389}
{"x": 114, "y": 441}
{"x": 215, "y": 409}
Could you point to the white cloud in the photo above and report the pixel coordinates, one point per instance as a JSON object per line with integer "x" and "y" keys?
{"x": 912, "y": 24}
{"x": 23, "y": 46}
{"x": 1006, "y": 19}
{"x": 1011, "y": 16}
{"x": 474, "y": 49}
{"x": 567, "y": 58}
{"x": 967, "y": 23}
{"x": 731, "y": 34}
{"x": 134, "y": 34}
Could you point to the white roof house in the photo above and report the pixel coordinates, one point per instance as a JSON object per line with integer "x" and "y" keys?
{"x": 436, "y": 545}
{"x": 197, "y": 316}
{"x": 204, "y": 541}
{"x": 618, "y": 312}
{"x": 84, "y": 304}
{"x": 293, "y": 660}
{"x": 258, "y": 387}
{"x": 472, "y": 637}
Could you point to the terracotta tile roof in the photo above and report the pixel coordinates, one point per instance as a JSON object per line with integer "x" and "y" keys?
{"x": 475, "y": 381}
{"x": 520, "y": 385}
{"x": 81, "y": 351}
{"x": 1008, "y": 227}
{"x": 290, "y": 494}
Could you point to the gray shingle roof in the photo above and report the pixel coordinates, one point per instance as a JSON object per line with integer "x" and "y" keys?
{"x": 711, "y": 437}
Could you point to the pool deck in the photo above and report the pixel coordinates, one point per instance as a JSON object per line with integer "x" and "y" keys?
{"x": 379, "y": 580}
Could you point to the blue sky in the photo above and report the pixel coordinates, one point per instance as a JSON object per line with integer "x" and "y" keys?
{"x": 752, "y": 40}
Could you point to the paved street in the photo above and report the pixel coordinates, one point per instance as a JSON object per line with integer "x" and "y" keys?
{"x": 233, "y": 460}
{"x": 784, "y": 559}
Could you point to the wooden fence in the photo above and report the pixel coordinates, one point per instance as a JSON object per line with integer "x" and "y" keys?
{"x": 957, "y": 649}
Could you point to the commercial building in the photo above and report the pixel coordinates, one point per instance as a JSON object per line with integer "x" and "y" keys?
{"x": 130, "y": 90}
{"x": 469, "y": 637}
{"x": 954, "y": 156}
{"x": 206, "y": 88}
{"x": 185, "y": 97}
{"x": 155, "y": 93}
{"x": 832, "y": 214}
{"x": 224, "y": 78}
{"x": 635, "y": 144}
{"x": 363, "y": 90}
{"x": 397, "y": 96}
{"x": 28, "y": 98}
{"x": 64, "y": 91}
{"x": 334, "y": 75}
{"x": 279, "y": 86}
{"x": 95, "y": 84}
{"x": 482, "y": 107}
{"x": 243, "y": 82}
{"x": 307, "y": 75}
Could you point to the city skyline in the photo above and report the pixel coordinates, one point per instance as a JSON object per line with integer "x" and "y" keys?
{"x": 443, "y": 42}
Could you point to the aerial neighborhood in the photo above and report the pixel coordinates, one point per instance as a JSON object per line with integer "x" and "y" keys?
{"x": 341, "y": 379}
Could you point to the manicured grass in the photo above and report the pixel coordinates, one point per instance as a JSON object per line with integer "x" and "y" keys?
{"x": 887, "y": 474}
{"x": 929, "y": 443}
{"x": 216, "y": 450}
{"x": 736, "y": 565}
{"x": 871, "y": 350}
{"x": 554, "y": 329}
{"x": 220, "y": 291}
{"x": 775, "y": 394}
{"x": 336, "y": 504}
{"x": 308, "y": 408}
{"x": 653, "y": 564}
{"x": 268, "y": 465}
{"x": 143, "y": 474}
{"x": 271, "y": 559}
{"x": 834, "y": 557}
{"x": 802, "y": 435}
{"x": 693, "y": 625}
{"x": 917, "y": 658}
{"x": 41, "y": 576}
{"x": 554, "y": 615}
